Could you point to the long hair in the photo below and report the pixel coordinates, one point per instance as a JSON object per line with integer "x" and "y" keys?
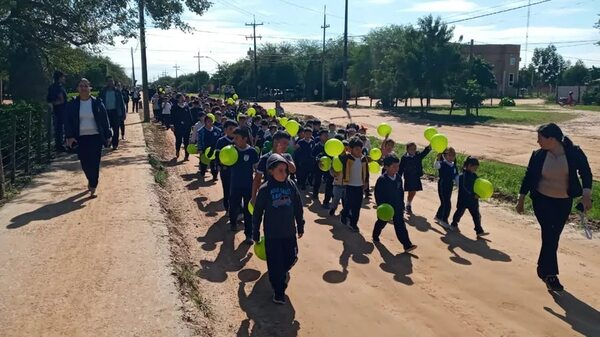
{"x": 551, "y": 130}
{"x": 470, "y": 161}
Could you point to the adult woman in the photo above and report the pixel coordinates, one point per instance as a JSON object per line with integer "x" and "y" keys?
{"x": 182, "y": 125}
{"x": 552, "y": 179}
{"x": 87, "y": 129}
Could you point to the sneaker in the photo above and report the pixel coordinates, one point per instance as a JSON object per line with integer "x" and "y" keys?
{"x": 553, "y": 283}
{"x": 215, "y": 178}
{"x": 353, "y": 228}
{"x": 437, "y": 220}
{"x": 343, "y": 220}
{"x": 445, "y": 224}
{"x": 482, "y": 233}
{"x": 92, "y": 192}
{"x": 454, "y": 228}
{"x": 408, "y": 209}
{"x": 248, "y": 240}
{"x": 410, "y": 248}
{"x": 279, "y": 299}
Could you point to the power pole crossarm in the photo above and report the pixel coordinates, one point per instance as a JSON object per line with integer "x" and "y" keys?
{"x": 324, "y": 27}
{"x": 176, "y": 70}
{"x": 253, "y": 36}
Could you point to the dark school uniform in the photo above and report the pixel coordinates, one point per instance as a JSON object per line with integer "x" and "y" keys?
{"x": 225, "y": 170}
{"x": 208, "y": 139}
{"x": 411, "y": 168}
{"x": 304, "y": 160}
{"x": 388, "y": 190}
{"x": 182, "y": 125}
{"x": 318, "y": 175}
{"x": 467, "y": 201}
{"x": 241, "y": 186}
{"x": 447, "y": 174}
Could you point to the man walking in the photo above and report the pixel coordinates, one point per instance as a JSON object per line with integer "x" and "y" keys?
{"x": 115, "y": 107}
{"x": 57, "y": 96}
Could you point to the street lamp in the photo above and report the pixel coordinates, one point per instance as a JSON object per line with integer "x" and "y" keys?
{"x": 218, "y": 67}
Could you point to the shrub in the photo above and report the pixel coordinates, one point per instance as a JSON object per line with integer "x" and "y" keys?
{"x": 591, "y": 96}
{"x": 507, "y": 101}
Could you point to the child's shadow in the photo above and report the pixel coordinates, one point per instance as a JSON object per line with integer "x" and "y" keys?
{"x": 582, "y": 317}
{"x": 268, "y": 318}
{"x": 400, "y": 264}
{"x": 210, "y": 208}
{"x": 478, "y": 246}
{"x": 421, "y": 224}
{"x": 355, "y": 246}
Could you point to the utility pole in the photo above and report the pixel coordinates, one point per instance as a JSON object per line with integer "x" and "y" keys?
{"x": 132, "y": 70}
{"x": 345, "y": 65}
{"x": 253, "y": 36}
{"x": 176, "y": 70}
{"x": 144, "y": 62}
{"x": 324, "y": 26}
{"x": 198, "y": 57}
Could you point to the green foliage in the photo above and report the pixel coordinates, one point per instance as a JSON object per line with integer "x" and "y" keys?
{"x": 548, "y": 63}
{"x": 507, "y": 101}
{"x": 470, "y": 95}
{"x": 591, "y": 96}
{"x": 577, "y": 74}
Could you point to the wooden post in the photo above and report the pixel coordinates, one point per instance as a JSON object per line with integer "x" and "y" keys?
{"x": 48, "y": 135}
{"x": 28, "y": 150}
{"x": 2, "y": 183}
{"x": 13, "y": 148}
{"x": 39, "y": 138}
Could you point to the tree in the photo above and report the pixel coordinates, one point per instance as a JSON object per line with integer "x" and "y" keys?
{"x": 577, "y": 74}
{"x": 32, "y": 30}
{"x": 470, "y": 95}
{"x": 548, "y": 64}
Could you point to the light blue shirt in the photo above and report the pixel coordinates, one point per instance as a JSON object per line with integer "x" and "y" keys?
{"x": 111, "y": 100}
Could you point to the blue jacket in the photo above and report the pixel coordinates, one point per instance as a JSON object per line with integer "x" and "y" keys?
{"x": 100, "y": 115}
{"x": 208, "y": 139}
{"x": 119, "y": 103}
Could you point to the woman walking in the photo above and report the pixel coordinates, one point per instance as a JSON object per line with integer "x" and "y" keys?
{"x": 87, "y": 130}
{"x": 182, "y": 125}
{"x": 553, "y": 182}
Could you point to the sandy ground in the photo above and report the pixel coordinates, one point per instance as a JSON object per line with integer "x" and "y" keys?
{"x": 506, "y": 143}
{"x": 344, "y": 285}
{"x": 73, "y": 266}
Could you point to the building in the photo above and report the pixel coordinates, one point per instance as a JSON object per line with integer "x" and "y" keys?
{"x": 505, "y": 59}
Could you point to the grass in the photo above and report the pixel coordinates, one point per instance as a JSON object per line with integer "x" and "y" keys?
{"x": 75, "y": 94}
{"x": 160, "y": 173}
{"x": 505, "y": 177}
{"x": 587, "y": 107}
{"x": 187, "y": 279}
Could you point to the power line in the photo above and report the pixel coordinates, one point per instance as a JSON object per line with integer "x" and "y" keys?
{"x": 498, "y": 12}
{"x": 253, "y": 36}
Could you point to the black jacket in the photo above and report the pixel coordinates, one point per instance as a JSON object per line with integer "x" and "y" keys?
{"x": 100, "y": 115}
{"x": 466, "y": 188}
{"x": 119, "y": 102}
{"x": 578, "y": 164}
{"x": 413, "y": 166}
{"x": 181, "y": 117}
{"x": 281, "y": 204}
{"x": 388, "y": 191}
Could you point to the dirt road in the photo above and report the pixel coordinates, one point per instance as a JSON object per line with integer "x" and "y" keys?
{"x": 73, "y": 266}
{"x": 344, "y": 285}
{"x": 506, "y": 143}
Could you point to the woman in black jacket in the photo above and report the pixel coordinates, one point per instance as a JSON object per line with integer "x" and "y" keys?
{"x": 87, "y": 129}
{"x": 552, "y": 179}
{"x": 182, "y": 125}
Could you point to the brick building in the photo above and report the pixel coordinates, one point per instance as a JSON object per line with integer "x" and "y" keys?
{"x": 505, "y": 59}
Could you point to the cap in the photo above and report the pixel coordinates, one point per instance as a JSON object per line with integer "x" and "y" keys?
{"x": 274, "y": 159}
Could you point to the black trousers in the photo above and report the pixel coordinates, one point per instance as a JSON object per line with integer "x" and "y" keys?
{"x": 354, "y": 198}
{"x": 126, "y": 106}
{"x": 136, "y": 104}
{"x": 445, "y": 195}
{"x": 58, "y": 117}
{"x": 473, "y": 207}
{"x": 182, "y": 136}
{"x": 236, "y": 197}
{"x": 212, "y": 166}
{"x": 115, "y": 124}
{"x": 166, "y": 120}
{"x": 89, "y": 151}
{"x": 552, "y": 214}
{"x": 226, "y": 183}
{"x": 318, "y": 177}
{"x": 399, "y": 228}
{"x": 302, "y": 173}
{"x": 157, "y": 115}
{"x": 281, "y": 254}
{"x": 122, "y": 125}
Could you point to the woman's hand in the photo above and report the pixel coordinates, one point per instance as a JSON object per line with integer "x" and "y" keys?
{"x": 587, "y": 202}
{"x": 521, "y": 206}
{"x": 70, "y": 142}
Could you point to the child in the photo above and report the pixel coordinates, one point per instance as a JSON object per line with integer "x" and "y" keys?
{"x": 467, "y": 199}
{"x": 281, "y": 141}
{"x": 226, "y": 140}
{"x": 411, "y": 167}
{"x": 355, "y": 174}
{"x": 241, "y": 181}
{"x": 182, "y": 124}
{"x": 279, "y": 200}
{"x": 332, "y": 130}
{"x": 388, "y": 190}
{"x": 338, "y": 188}
{"x": 317, "y": 152}
{"x": 303, "y": 157}
{"x": 207, "y": 138}
{"x": 447, "y": 173}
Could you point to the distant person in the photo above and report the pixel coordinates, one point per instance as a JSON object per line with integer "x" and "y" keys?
{"x": 467, "y": 198}
{"x": 411, "y": 168}
{"x": 115, "y": 107}
{"x": 135, "y": 98}
{"x": 552, "y": 182}
{"x": 57, "y": 96}
{"x": 124, "y": 116}
{"x": 87, "y": 129}
{"x": 182, "y": 125}
{"x": 280, "y": 111}
{"x": 126, "y": 94}
{"x": 447, "y": 173}
{"x": 570, "y": 99}
{"x": 228, "y": 127}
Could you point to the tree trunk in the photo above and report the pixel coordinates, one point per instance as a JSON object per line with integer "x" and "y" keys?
{"x": 477, "y": 110}
{"x": 421, "y": 99}
{"x": 451, "y": 107}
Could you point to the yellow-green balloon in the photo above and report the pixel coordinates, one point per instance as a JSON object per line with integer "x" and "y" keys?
{"x": 192, "y": 149}
{"x": 251, "y": 112}
{"x": 204, "y": 159}
{"x": 251, "y": 208}
{"x": 334, "y": 147}
{"x": 230, "y": 101}
{"x": 212, "y": 116}
{"x": 207, "y": 151}
{"x": 228, "y": 155}
{"x": 283, "y": 121}
{"x": 292, "y": 127}
{"x": 439, "y": 143}
{"x": 384, "y": 129}
{"x": 430, "y": 132}
{"x": 483, "y": 188}
{"x": 374, "y": 167}
{"x": 325, "y": 163}
{"x": 259, "y": 249}
{"x": 235, "y": 97}
{"x": 271, "y": 112}
{"x": 336, "y": 163}
{"x": 385, "y": 212}
{"x": 375, "y": 153}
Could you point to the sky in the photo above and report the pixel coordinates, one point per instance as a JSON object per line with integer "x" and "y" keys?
{"x": 220, "y": 34}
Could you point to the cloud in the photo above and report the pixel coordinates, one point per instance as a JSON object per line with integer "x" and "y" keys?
{"x": 380, "y": 2}
{"x": 565, "y": 11}
{"x": 447, "y": 6}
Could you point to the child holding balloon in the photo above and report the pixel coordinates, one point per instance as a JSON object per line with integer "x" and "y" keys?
{"x": 355, "y": 174}
{"x": 447, "y": 174}
{"x": 208, "y": 136}
{"x": 411, "y": 168}
{"x": 467, "y": 198}
{"x": 388, "y": 190}
{"x": 225, "y": 172}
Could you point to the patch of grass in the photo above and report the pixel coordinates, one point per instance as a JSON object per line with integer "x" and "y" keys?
{"x": 160, "y": 173}
{"x": 587, "y": 107}
{"x": 187, "y": 279}
{"x": 505, "y": 177}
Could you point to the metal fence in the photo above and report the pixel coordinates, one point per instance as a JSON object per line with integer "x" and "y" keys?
{"x": 26, "y": 142}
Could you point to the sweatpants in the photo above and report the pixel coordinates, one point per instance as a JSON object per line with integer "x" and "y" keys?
{"x": 157, "y": 115}
{"x": 226, "y": 184}
{"x": 89, "y": 151}
{"x": 281, "y": 254}
{"x": 353, "y": 203}
{"x": 318, "y": 177}
{"x": 552, "y": 214}
{"x": 339, "y": 193}
{"x": 473, "y": 207}
{"x": 115, "y": 124}
{"x": 235, "y": 200}
{"x": 445, "y": 195}
{"x": 302, "y": 174}
{"x": 136, "y": 105}
{"x": 182, "y": 136}
{"x": 399, "y": 228}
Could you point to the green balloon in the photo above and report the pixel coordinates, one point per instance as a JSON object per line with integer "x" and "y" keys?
{"x": 192, "y": 149}
{"x": 251, "y": 112}
{"x": 271, "y": 112}
{"x": 204, "y": 159}
{"x": 385, "y": 212}
{"x": 325, "y": 163}
{"x": 228, "y": 155}
{"x": 375, "y": 153}
{"x": 337, "y": 164}
{"x": 212, "y": 116}
{"x": 430, "y": 132}
{"x": 374, "y": 167}
{"x": 235, "y": 96}
{"x": 384, "y": 129}
{"x": 207, "y": 151}
{"x": 483, "y": 188}
{"x": 251, "y": 208}
{"x": 292, "y": 127}
{"x": 439, "y": 143}
{"x": 334, "y": 147}
{"x": 259, "y": 249}
{"x": 230, "y": 101}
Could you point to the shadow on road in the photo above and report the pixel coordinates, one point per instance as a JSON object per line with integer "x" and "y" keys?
{"x": 50, "y": 211}
{"x": 400, "y": 264}
{"x": 478, "y": 246}
{"x": 582, "y": 317}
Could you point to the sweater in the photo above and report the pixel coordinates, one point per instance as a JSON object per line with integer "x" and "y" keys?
{"x": 208, "y": 138}
{"x": 390, "y": 191}
{"x": 281, "y": 204}
{"x": 466, "y": 184}
{"x": 412, "y": 166}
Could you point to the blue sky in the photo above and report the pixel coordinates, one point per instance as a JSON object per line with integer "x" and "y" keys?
{"x": 221, "y": 32}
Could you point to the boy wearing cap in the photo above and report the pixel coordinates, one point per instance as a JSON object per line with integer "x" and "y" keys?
{"x": 279, "y": 201}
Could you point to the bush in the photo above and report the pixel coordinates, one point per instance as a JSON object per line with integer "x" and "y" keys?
{"x": 507, "y": 101}
{"x": 591, "y": 96}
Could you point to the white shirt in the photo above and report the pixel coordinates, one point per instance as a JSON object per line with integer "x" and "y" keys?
{"x": 87, "y": 123}
{"x": 167, "y": 108}
{"x": 355, "y": 178}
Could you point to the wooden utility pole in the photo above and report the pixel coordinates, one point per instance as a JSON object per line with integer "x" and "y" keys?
{"x": 345, "y": 64}
{"x": 145, "y": 106}
{"x": 253, "y": 36}
{"x": 324, "y": 26}
{"x": 176, "y": 70}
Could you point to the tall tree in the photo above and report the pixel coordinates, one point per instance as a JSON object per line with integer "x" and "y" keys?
{"x": 548, "y": 64}
{"x": 577, "y": 74}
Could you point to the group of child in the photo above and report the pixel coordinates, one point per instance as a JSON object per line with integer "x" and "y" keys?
{"x": 273, "y": 167}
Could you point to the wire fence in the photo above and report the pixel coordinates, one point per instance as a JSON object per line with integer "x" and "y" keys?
{"x": 26, "y": 142}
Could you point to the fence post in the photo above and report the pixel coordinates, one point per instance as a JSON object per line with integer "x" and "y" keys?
{"x": 39, "y": 132}
{"x": 48, "y": 134}
{"x": 28, "y": 151}
{"x": 2, "y": 183}
{"x": 13, "y": 149}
